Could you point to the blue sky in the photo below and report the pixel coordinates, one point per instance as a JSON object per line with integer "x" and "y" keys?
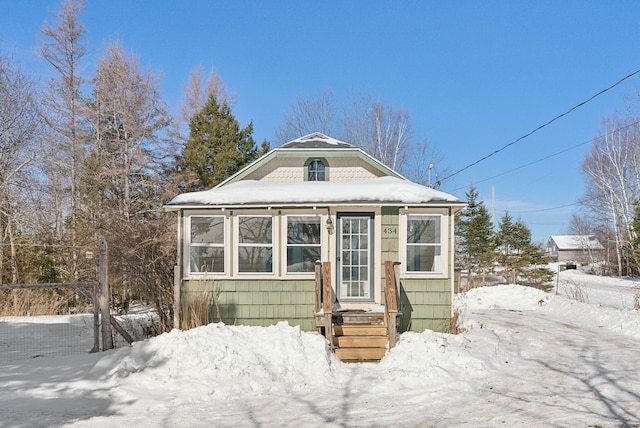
{"x": 474, "y": 75}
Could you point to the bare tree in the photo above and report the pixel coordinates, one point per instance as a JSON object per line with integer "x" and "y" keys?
{"x": 379, "y": 129}
{"x": 20, "y": 124}
{"x": 123, "y": 185}
{"x": 196, "y": 93}
{"x": 317, "y": 113}
{"x": 63, "y": 47}
{"x": 357, "y": 120}
{"x": 393, "y": 135}
{"x": 129, "y": 116}
{"x": 424, "y": 166}
{"x": 612, "y": 168}
{"x": 198, "y": 90}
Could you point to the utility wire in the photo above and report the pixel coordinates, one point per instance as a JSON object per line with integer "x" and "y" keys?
{"x": 575, "y": 146}
{"x": 542, "y": 126}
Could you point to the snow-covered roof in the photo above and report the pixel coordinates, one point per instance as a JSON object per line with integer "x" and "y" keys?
{"x": 316, "y": 140}
{"x": 576, "y": 242}
{"x": 382, "y": 190}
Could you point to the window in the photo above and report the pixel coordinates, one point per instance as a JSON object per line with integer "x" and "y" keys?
{"x": 424, "y": 243}
{"x": 255, "y": 244}
{"x": 303, "y": 243}
{"x": 206, "y": 248}
{"x": 316, "y": 170}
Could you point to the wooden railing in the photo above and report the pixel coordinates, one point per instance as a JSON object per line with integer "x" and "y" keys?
{"x": 391, "y": 295}
{"x": 324, "y": 297}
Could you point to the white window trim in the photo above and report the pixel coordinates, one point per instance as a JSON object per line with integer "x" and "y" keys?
{"x": 285, "y": 244}
{"x": 274, "y": 245}
{"x": 444, "y": 249}
{"x": 224, "y": 246}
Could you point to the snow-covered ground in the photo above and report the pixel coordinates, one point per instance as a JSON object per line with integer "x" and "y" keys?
{"x": 527, "y": 358}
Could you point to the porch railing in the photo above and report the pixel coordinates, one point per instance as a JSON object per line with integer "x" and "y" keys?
{"x": 391, "y": 294}
{"x": 324, "y": 298}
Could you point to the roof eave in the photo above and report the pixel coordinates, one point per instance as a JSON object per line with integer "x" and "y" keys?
{"x": 434, "y": 204}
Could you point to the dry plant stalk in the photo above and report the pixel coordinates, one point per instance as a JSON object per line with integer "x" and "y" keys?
{"x": 577, "y": 292}
{"x": 26, "y": 302}
{"x": 199, "y": 306}
{"x": 454, "y": 326}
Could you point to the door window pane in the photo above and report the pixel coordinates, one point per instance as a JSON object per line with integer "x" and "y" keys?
{"x": 354, "y": 257}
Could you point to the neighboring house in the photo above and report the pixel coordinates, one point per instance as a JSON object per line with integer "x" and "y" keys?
{"x": 257, "y": 236}
{"x": 575, "y": 248}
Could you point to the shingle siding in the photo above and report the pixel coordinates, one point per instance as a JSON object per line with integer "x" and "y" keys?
{"x": 268, "y": 303}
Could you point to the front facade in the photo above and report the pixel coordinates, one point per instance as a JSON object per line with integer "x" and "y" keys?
{"x": 253, "y": 241}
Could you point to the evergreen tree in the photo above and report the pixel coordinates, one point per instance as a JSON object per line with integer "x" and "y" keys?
{"x": 519, "y": 257}
{"x": 476, "y": 238}
{"x": 217, "y": 148}
{"x": 634, "y": 243}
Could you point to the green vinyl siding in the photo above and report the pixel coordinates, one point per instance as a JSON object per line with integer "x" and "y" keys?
{"x": 425, "y": 304}
{"x": 257, "y": 303}
{"x": 389, "y": 240}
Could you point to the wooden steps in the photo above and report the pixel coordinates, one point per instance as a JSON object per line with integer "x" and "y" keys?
{"x": 359, "y": 336}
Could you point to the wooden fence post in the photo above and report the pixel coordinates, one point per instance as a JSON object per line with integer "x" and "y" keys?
{"x": 96, "y": 317}
{"x": 327, "y": 304}
{"x": 103, "y": 269}
{"x": 391, "y": 301}
{"x": 176, "y": 296}
{"x": 318, "y": 280}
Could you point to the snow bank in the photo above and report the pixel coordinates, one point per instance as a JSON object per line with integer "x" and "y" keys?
{"x": 428, "y": 359}
{"x": 513, "y": 297}
{"x": 225, "y": 361}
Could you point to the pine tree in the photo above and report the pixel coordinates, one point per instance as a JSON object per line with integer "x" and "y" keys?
{"x": 634, "y": 243}
{"x": 521, "y": 259}
{"x": 217, "y": 147}
{"x": 476, "y": 238}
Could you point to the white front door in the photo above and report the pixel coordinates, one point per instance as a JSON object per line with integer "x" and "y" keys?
{"x": 355, "y": 252}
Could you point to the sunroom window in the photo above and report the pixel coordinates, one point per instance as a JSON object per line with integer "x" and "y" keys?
{"x": 207, "y": 244}
{"x": 316, "y": 170}
{"x": 424, "y": 243}
{"x": 303, "y": 243}
{"x": 255, "y": 244}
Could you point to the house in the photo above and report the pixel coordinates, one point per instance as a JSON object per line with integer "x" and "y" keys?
{"x": 583, "y": 249}
{"x": 256, "y": 238}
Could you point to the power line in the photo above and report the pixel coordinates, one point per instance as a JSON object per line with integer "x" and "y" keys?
{"x": 544, "y": 209}
{"x": 542, "y": 126}
{"x": 575, "y": 146}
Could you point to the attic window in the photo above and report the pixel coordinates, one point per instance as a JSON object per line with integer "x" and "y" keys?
{"x": 316, "y": 170}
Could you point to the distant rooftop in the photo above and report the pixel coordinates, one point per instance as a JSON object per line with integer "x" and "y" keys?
{"x": 577, "y": 242}
{"x": 316, "y": 140}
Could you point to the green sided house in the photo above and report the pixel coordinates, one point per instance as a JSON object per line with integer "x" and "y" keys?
{"x": 317, "y": 217}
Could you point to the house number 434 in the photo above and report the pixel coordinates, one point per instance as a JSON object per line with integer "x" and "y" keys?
{"x": 390, "y": 231}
